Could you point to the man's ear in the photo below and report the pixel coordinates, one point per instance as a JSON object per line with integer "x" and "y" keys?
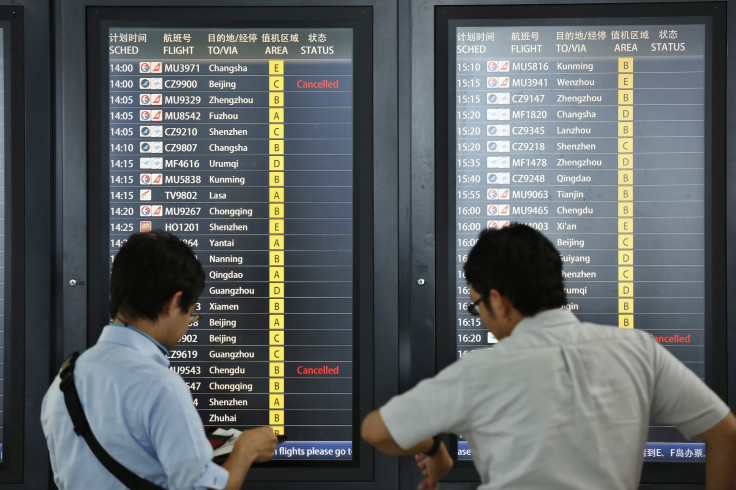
{"x": 494, "y": 300}
{"x": 500, "y": 303}
{"x": 172, "y": 304}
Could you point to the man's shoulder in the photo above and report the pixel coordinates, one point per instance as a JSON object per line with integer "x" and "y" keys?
{"x": 122, "y": 363}
{"x": 500, "y": 353}
{"x": 573, "y": 333}
{"x": 597, "y": 330}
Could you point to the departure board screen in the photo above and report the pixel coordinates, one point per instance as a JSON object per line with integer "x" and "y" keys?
{"x": 3, "y": 258}
{"x": 242, "y": 141}
{"x": 598, "y": 134}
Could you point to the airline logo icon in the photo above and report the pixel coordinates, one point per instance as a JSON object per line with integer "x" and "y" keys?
{"x": 497, "y": 82}
{"x": 492, "y": 338}
{"x": 497, "y": 98}
{"x": 498, "y": 130}
{"x": 151, "y": 99}
{"x": 145, "y": 226}
{"x": 499, "y": 178}
{"x": 151, "y": 179}
{"x": 498, "y": 162}
{"x": 157, "y": 210}
{"x": 152, "y": 163}
{"x": 152, "y": 147}
{"x": 151, "y": 83}
{"x": 495, "y": 225}
{"x": 494, "y": 66}
{"x": 150, "y": 67}
{"x": 145, "y": 194}
{"x": 498, "y": 210}
{"x": 499, "y": 194}
{"x": 146, "y": 211}
{"x": 498, "y": 146}
{"x": 152, "y": 131}
{"x": 151, "y": 115}
{"x": 498, "y": 114}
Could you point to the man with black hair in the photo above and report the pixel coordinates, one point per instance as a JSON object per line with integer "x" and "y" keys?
{"x": 557, "y": 403}
{"x": 140, "y": 411}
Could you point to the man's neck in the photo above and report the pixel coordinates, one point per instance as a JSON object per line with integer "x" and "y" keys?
{"x": 145, "y": 325}
{"x": 518, "y": 317}
{"x": 147, "y": 328}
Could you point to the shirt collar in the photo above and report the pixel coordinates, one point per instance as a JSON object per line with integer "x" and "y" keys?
{"x": 545, "y": 319}
{"x": 124, "y": 336}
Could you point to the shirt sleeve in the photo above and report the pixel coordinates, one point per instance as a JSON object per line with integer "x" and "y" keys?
{"x": 433, "y": 406}
{"x": 214, "y": 476}
{"x": 179, "y": 440}
{"x": 681, "y": 398}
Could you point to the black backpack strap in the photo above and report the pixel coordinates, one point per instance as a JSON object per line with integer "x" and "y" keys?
{"x": 81, "y": 427}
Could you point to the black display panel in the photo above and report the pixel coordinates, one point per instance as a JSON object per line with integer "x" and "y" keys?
{"x": 12, "y": 255}
{"x": 595, "y": 125}
{"x": 247, "y": 132}
{"x": 3, "y": 162}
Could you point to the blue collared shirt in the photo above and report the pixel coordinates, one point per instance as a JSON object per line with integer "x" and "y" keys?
{"x": 140, "y": 412}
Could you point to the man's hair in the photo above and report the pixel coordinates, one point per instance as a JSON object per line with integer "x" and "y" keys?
{"x": 148, "y": 270}
{"x": 521, "y": 264}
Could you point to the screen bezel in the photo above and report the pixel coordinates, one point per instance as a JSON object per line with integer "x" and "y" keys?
{"x": 360, "y": 19}
{"x": 713, "y": 16}
{"x": 11, "y": 468}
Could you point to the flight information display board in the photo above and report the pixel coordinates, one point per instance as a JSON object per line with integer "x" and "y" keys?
{"x": 3, "y": 150}
{"x": 241, "y": 142}
{"x": 597, "y": 134}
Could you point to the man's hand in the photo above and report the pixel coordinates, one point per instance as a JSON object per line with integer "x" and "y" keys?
{"x": 375, "y": 432}
{"x": 261, "y": 441}
{"x": 433, "y": 467}
{"x": 253, "y": 446}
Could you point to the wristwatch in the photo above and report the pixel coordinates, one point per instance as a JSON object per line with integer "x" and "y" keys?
{"x": 435, "y": 447}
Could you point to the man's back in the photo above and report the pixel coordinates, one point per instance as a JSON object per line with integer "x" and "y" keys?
{"x": 561, "y": 404}
{"x": 140, "y": 412}
{"x": 571, "y": 405}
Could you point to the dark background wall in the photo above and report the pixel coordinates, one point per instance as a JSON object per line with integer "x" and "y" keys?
{"x": 54, "y": 314}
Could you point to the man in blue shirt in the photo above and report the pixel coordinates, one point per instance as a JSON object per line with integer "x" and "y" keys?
{"x": 140, "y": 411}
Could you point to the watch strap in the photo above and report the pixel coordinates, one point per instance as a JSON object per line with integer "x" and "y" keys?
{"x": 435, "y": 447}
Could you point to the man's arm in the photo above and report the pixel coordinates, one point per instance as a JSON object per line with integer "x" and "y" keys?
{"x": 375, "y": 433}
{"x": 720, "y": 461}
{"x": 253, "y": 446}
